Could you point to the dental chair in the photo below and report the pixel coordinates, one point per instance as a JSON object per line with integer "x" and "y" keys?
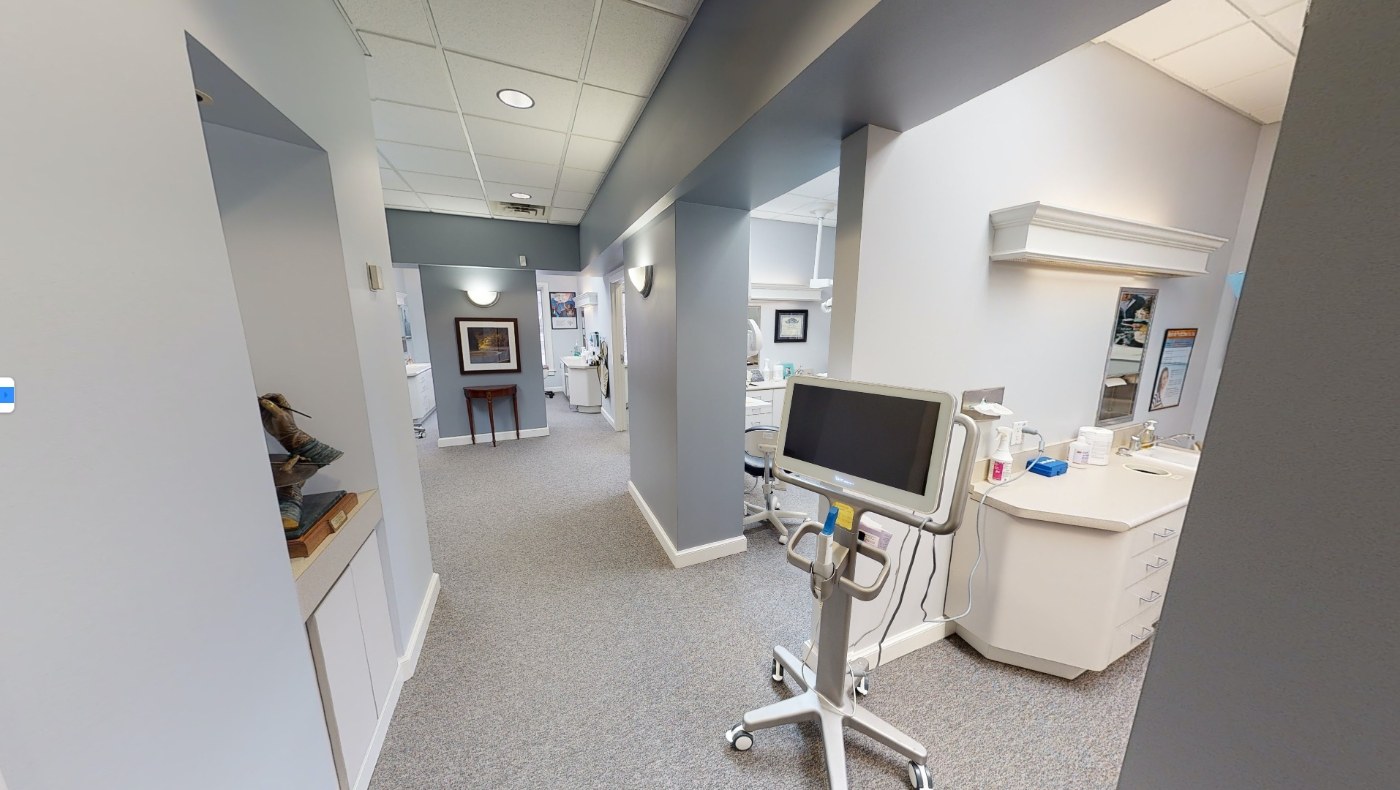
{"x": 761, "y": 467}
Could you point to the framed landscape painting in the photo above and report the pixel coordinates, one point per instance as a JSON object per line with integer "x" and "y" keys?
{"x": 488, "y": 345}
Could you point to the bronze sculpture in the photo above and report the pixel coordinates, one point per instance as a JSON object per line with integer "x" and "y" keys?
{"x": 305, "y": 456}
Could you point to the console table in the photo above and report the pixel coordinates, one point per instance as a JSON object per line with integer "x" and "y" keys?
{"x": 490, "y": 394}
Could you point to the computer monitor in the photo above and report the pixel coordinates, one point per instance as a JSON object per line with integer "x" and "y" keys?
{"x": 888, "y": 443}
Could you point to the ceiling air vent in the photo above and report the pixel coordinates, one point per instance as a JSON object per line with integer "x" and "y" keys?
{"x": 502, "y": 208}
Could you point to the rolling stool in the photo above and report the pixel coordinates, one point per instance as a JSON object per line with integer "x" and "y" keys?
{"x": 762, "y": 468}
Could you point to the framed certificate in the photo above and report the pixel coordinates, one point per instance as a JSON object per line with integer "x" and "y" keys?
{"x": 790, "y": 326}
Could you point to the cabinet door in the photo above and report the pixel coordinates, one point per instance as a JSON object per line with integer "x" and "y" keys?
{"x": 347, "y": 693}
{"x": 373, "y": 600}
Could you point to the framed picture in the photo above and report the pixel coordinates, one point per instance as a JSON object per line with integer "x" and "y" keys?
{"x": 1171, "y": 368}
{"x": 790, "y": 326}
{"x": 488, "y": 345}
{"x": 563, "y": 313}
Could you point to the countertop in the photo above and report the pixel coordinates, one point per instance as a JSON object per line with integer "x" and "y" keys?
{"x": 751, "y": 403}
{"x": 416, "y": 368}
{"x": 576, "y": 363}
{"x": 774, "y": 384}
{"x": 1112, "y": 497}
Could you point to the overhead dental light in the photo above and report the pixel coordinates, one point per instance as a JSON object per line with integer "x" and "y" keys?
{"x": 821, "y": 213}
{"x": 482, "y": 298}
{"x": 511, "y": 97}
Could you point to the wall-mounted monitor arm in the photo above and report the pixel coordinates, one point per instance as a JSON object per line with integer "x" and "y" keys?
{"x": 864, "y": 504}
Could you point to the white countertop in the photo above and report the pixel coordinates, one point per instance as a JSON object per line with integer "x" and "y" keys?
{"x": 576, "y": 363}
{"x": 1111, "y": 497}
{"x": 750, "y": 403}
{"x": 775, "y": 384}
{"x": 416, "y": 368}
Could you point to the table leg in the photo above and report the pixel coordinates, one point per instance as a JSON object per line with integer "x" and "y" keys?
{"x": 491, "y": 413}
{"x": 515, "y": 409}
{"x": 471, "y": 419}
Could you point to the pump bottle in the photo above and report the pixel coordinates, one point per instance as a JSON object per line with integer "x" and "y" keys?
{"x": 999, "y": 466}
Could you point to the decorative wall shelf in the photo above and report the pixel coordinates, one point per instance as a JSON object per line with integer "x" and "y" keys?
{"x": 1054, "y": 236}
{"x": 772, "y": 292}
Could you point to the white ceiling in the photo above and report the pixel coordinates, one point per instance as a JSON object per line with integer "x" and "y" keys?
{"x": 805, "y": 203}
{"x": 1238, "y": 52}
{"x": 446, "y": 144}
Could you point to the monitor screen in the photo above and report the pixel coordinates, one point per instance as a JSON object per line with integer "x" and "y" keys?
{"x": 882, "y": 438}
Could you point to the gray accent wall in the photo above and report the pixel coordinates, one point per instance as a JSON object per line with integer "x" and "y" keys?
{"x": 651, "y": 369}
{"x": 453, "y": 240}
{"x": 444, "y": 301}
{"x": 1275, "y": 662}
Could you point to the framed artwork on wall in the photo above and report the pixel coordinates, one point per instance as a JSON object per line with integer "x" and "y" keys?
{"x": 789, "y": 326}
{"x": 488, "y": 345}
{"x": 563, "y": 313}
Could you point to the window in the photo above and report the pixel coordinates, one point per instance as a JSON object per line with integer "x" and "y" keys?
{"x": 546, "y": 342}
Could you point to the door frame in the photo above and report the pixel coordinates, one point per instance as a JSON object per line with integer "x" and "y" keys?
{"x": 617, "y": 372}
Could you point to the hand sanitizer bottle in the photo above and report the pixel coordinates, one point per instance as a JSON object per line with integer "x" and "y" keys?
{"x": 999, "y": 465}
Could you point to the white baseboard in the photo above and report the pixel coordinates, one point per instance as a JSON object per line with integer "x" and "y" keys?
{"x": 691, "y": 556}
{"x": 907, "y": 642}
{"x": 408, "y": 664}
{"x": 501, "y": 436}
{"x": 607, "y": 415}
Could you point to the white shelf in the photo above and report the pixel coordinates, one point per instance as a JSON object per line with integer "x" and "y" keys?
{"x": 316, "y": 574}
{"x": 774, "y": 292}
{"x": 1051, "y": 235}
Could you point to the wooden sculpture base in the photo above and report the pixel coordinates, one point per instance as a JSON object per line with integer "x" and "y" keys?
{"x": 330, "y": 511}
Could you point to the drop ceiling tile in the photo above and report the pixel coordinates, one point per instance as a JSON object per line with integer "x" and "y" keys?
{"x": 1175, "y": 25}
{"x": 786, "y": 204}
{"x": 1268, "y": 88}
{"x": 478, "y": 80}
{"x": 565, "y": 216}
{"x": 397, "y": 18}
{"x": 408, "y": 73}
{"x": 585, "y": 153}
{"x": 513, "y": 141}
{"x": 574, "y": 200}
{"x": 398, "y": 198}
{"x": 1225, "y": 58}
{"x": 502, "y": 192}
{"x": 823, "y": 186}
{"x": 605, "y": 114}
{"x": 580, "y": 180}
{"x": 1289, "y": 22}
{"x": 543, "y": 35}
{"x": 759, "y": 213}
{"x": 388, "y": 179}
{"x": 430, "y": 184}
{"x": 404, "y": 123}
{"x": 428, "y": 160}
{"x": 679, "y": 7}
{"x": 382, "y": 161}
{"x": 456, "y": 205}
{"x": 514, "y": 171}
{"x": 1262, "y": 7}
{"x": 632, "y": 46}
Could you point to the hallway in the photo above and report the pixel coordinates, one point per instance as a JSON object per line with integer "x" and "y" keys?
{"x": 565, "y": 651}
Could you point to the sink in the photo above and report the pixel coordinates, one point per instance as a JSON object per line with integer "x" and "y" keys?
{"x": 1175, "y": 456}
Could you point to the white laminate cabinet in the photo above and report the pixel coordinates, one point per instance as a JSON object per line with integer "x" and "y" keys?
{"x": 582, "y": 387}
{"x": 353, "y": 650}
{"x": 771, "y": 394}
{"x": 421, "y": 399}
{"x": 1060, "y": 598}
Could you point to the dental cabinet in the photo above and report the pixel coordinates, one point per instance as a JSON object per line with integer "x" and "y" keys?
{"x": 581, "y": 385}
{"x": 421, "y": 400}
{"x": 769, "y": 410}
{"x": 1076, "y": 567}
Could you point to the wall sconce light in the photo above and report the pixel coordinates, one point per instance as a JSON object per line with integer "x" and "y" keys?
{"x": 641, "y": 277}
{"x": 483, "y": 298}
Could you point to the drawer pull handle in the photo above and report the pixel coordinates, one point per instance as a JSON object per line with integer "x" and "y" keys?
{"x": 1146, "y": 633}
{"x": 1161, "y": 563}
{"x": 1154, "y": 597}
{"x": 1164, "y": 534}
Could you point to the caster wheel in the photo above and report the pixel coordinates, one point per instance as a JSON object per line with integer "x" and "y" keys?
{"x": 918, "y": 777}
{"x": 777, "y": 672}
{"x": 739, "y": 738}
{"x": 782, "y": 539}
{"x": 863, "y": 685}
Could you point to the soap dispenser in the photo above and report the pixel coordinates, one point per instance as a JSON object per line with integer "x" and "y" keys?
{"x": 1149, "y": 434}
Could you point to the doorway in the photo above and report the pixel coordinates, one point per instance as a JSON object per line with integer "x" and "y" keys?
{"x": 617, "y": 352}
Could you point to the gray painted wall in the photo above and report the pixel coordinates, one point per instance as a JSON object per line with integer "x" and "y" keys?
{"x": 712, "y": 263}
{"x": 443, "y": 303}
{"x": 781, "y": 252}
{"x": 1275, "y": 662}
{"x": 451, "y": 240}
{"x": 651, "y": 369}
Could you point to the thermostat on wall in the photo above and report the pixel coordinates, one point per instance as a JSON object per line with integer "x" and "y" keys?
{"x": 7, "y": 395}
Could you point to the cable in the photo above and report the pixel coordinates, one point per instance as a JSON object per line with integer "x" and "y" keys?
{"x": 880, "y": 645}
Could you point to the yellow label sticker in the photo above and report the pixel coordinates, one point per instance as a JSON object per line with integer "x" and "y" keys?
{"x": 844, "y": 514}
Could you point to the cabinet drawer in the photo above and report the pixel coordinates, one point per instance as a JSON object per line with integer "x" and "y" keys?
{"x": 763, "y": 395}
{"x": 751, "y": 420}
{"x": 1154, "y": 532}
{"x": 1149, "y": 563}
{"x": 1142, "y": 596}
{"x": 1136, "y": 631}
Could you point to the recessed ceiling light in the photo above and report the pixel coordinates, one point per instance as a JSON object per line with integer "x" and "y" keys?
{"x": 520, "y": 195}
{"x": 514, "y": 98}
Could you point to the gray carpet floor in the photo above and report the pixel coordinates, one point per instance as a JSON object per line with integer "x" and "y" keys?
{"x": 565, "y": 651}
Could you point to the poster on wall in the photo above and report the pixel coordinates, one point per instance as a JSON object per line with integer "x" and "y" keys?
{"x": 1171, "y": 368}
{"x": 563, "y": 313}
{"x": 488, "y": 345}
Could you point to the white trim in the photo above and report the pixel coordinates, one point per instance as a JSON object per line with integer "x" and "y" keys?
{"x": 408, "y": 664}
{"x": 907, "y": 642}
{"x": 608, "y": 416}
{"x": 502, "y": 435}
{"x": 687, "y": 557}
{"x": 777, "y": 292}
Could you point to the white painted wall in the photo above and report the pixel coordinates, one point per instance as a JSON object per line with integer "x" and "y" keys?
{"x": 564, "y": 340}
{"x": 781, "y": 253}
{"x": 409, "y": 283}
{"x": 160, "y": 643}
{"x": 598, "y": 319}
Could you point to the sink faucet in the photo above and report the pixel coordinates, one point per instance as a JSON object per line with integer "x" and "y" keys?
{"x": 1144, "y": 438}
{"x": 1190, "y": 437}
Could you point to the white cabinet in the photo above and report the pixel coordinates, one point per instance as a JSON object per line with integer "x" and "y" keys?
{"x": 352, "y": 645}
{"x": 581, "y": 385}
{"x": 421, "y": 399}
{"x": 1059, "y": 598}
{"x": 771, "y": 394}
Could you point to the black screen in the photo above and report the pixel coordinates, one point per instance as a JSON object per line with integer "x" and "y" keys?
{"x": 882, "y": 438}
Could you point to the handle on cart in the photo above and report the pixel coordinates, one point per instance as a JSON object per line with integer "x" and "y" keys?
{"x": 866, "y": 593}
{"x": 793, "y": 558}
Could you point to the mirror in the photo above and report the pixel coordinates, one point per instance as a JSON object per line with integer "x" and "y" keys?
{"x": 1132, "y": 327}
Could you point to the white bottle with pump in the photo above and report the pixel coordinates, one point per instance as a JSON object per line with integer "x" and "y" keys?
{"x": 999, "y": 465}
